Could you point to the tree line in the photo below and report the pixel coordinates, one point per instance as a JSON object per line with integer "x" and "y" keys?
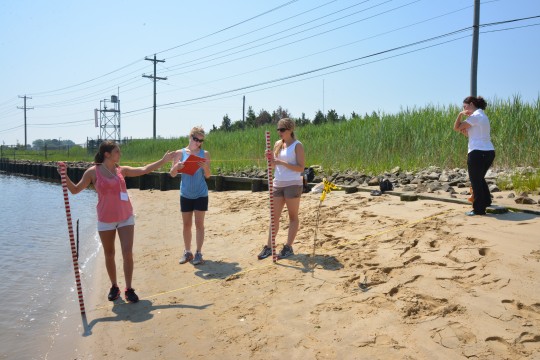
{"x": 263, "y": 118}
{"x": 41, "y": 144}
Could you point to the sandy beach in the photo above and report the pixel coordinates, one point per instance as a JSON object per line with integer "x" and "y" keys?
{"x": 385, "y": 279}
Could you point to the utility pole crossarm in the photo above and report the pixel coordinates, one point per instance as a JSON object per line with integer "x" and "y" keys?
{"x": 154, "y": 59}
{"x": 154, "y": 77}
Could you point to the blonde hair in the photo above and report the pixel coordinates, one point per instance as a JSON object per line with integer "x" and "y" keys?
{"x": 197, "y": 130}
{"x": 289, "y": 125}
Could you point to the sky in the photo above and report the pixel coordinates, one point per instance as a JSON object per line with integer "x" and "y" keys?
{"x": 359, "y": 56}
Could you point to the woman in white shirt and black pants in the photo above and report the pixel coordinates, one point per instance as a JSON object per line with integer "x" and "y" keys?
{"x": 481, "y": 151}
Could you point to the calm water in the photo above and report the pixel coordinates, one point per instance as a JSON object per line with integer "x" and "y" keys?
{"x": 38, "y": 297}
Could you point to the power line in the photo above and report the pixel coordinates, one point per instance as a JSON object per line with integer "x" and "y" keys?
{"x": 229, "y": 27}
{"x": 322, "y": 68}
{"x": 136, "y": 61}
{"x": 71, "y": 101}
{"x": 332, "y": 65}
{"x": 312, "y": 54}
{"x": 15, "y": 127}
{"x": 220, "y": 53}
{"x": 85, "y": 82}
{"x": 212, "y": 97}
{"x": 166, "y": 106}
{"x": 64, "y": 123}
{"x": 52, "y": 92}
{"x": 271, "y": 25}
{"x": 8, "y": 101}
{"x": 65, "y": 102}
{"x": 496, "y": 23}
{"x": 208, "y": 99}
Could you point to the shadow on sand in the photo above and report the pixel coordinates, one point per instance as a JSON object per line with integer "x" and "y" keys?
{"x": 514, "y": 216}
{"x": 217, "y": 269}
{"x": 138, "y": 312}
{"x": 309, "y": 263}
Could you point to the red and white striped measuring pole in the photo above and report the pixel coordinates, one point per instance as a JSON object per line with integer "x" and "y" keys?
{"x": 71, "y": 236}
{"x": 271, "y": 197}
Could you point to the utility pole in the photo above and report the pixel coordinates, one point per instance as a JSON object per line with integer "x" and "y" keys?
{"x": 154, "y": 77}
{"x": 474, "y": 57}
{"x": 25, "y": 108}
{"x": 323, "y": 97}
{"x": 244, "y": 110}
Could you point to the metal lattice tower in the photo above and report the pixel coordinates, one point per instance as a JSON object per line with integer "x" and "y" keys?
{"x": 109, "y": 119}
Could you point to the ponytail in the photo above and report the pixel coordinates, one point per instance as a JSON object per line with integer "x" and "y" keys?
{"x": 105, "y": 147}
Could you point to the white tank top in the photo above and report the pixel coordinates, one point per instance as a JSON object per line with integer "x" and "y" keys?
{"x": 284, "y": 176}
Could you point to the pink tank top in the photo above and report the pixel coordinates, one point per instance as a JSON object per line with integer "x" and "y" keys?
{"x": 110, "y": 208}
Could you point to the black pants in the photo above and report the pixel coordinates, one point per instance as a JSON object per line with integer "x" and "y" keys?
{"x": 478, "y": 163}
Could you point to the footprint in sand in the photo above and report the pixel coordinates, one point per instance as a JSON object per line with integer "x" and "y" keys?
{"x": 419, "y": 307}
{"x": 453, "y": 336}
{"x": 534, "y": 255}
{"x": 518, "y": 305}
{"x": 465, "y": 255}
{"x": 500, "y": 346}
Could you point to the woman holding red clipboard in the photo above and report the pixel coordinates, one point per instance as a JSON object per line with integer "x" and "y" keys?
{"x": 194, "y": 164}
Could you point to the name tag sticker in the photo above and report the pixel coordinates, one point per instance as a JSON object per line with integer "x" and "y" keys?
{"x": 124, "y": 196}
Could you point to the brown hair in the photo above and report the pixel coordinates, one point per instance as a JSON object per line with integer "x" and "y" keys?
{"x": 289, "y": 125}
{"x": 106, "y": 146}
{"x": 478, "y": 102}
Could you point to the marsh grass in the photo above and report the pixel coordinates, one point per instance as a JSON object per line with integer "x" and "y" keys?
{"x": 520, "y": 181}
{"x": 413, "y": 139}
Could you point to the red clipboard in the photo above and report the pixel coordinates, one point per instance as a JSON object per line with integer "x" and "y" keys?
{"x": 190, "y": 165}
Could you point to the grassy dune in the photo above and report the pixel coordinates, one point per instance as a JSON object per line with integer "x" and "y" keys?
{"x": 413, "y": 138}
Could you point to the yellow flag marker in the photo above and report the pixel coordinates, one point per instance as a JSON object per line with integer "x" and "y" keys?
{"x": 327, "y": 187}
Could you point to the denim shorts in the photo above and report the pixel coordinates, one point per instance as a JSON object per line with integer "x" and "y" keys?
{"x": 103, "y": 226}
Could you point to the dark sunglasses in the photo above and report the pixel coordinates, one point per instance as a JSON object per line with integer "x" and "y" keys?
{"x": 282, "y": 129}
{"x": 197, "y": 139}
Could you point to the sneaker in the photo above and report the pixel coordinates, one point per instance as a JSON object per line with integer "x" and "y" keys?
{"x": 114, "y": 293}
{"x": 285, "y": 252}
{"x": 473, "y": 213}
{"x": 266, "y": 252}
{"x": 131, "y": 296}
{"x": 198, "y": 258}
{"x": 187, "y": 257}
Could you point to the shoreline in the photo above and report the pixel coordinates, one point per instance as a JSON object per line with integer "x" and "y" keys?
{"x": 389, "y": 279}
{"x": 64, "y": 342}
{"x": 429, "y": 179}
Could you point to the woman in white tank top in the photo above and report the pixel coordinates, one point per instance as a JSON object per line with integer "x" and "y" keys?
{"x": 288, "y": 160}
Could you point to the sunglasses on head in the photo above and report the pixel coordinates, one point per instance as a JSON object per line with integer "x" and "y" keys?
{"x": 196, "y": 139}
{"x": 281, "y": 129}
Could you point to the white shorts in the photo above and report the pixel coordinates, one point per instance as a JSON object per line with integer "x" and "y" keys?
{"x": 103, "y": 226}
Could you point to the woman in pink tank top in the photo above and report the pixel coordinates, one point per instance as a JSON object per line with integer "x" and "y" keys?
{"x": 114, "y": 210}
